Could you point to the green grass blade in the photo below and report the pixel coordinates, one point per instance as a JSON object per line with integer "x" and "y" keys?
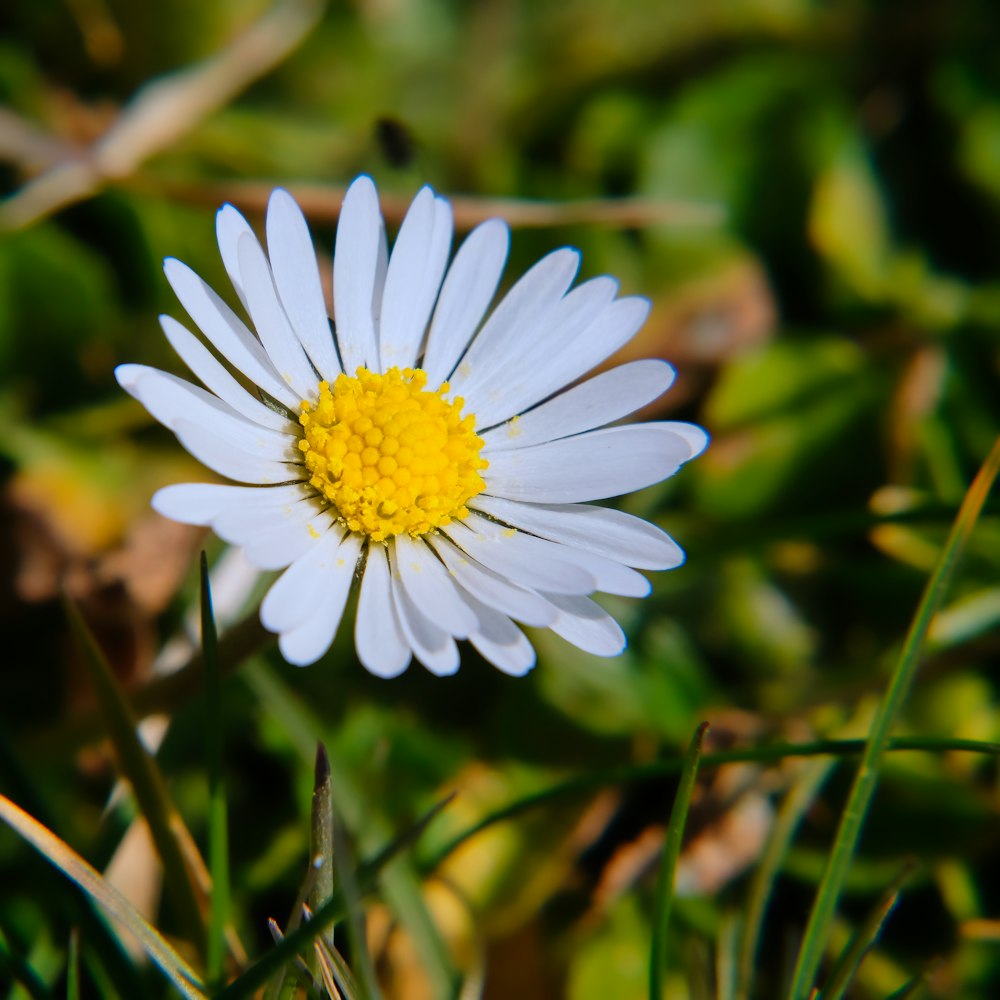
{"x": 399, "y": 882}
{"x": 295, "y": 942}
{"x": 668, "y": 865}
{"x": 863, "y": 939}
{"x": 60, "y": 854}
{"x": 343, "y": 857}
{"x": 818, "y": 926}
{"x": 218, "y": 831}
{"x": 321, "y": 833}
{"x": 139, "y": 768}
{"x": 604, "y": 777}
{"x": 73, "y": 967}
{"x": 798, "y": 800}
{"x": 104, "y": 950}
{"x": 16, "y": 970}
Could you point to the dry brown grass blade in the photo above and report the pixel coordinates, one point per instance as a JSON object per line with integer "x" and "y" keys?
{"x": 162, "y": 111}
{"x": 322, "y": 204}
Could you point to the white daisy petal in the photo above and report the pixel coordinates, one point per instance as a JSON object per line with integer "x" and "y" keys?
{"x": 427, "y": 582}
{"x": 378, "y": 636}
{"x": 227, "y": 460}
{"x": 293, "y": 262}
{"x": 522, "y": 311}
{"x": 359, "y": 265}
{"x": 286, "y": 542}
{"x": 468, "y": 289}
{"x": 240, "y": 525}
{"x": 416, "y": 267}
{"x": 431, "y": 645}
{"x": 591, "y": 466}
{"x": 296, "y": 594}
{"x": 501, "y": 642}
{"x": 601, "y": 530}
{"x": 567, "y": 357}
{"x": 225, "y": 331}
{"x": 307, "y": 641}
{"x": 587, "y": 626}
{"x": 229, "y": 227}
{"x": 170, "y": 399}
{"x": 212, "y": 374}
{"x": 269, "y": 319}
{"x": 492, "y": 589}
{"x": 608, "y": 575}
{"x": 492, "y": 394}
{"x": 201, "y": 503}
{"x": 515, "y": 558}
{"x": 598, "y": 401}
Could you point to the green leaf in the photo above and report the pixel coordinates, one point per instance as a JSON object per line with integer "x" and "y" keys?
{"x": 60, "y": 854}
{"x": 148, "y": 786}
{"x": 852, "y": 819}
{"x": 668, "y": 864}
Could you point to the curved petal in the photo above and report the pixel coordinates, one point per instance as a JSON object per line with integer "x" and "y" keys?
{"x": 521, "y": 311}
{"x": 608, "y": 575}
{"x": 215, "y": 377}
{"x": 170, "y": 400}
{"x": 587, "y": 626}
{"x": 469, "y": 287}
{"x": 514, "y": 556}
{"x": 226, "y": 331}
{"x": 298, "y": 592}
{"x": 431, "y": 645}
{"x": 416, "y": 267}
{"x": 201, "y": 503}
{"x": 567, "y": 355}
{"x": 428, "y": 585}
{"x": 488, "y": 393}
{"x": 269, "y": 320}
{"x": 359, "y": 266}
{"x": 296, "y": 276}
{"x": 492, "y": 589}
{"x": 230, "y": 225}
{"x": 378, "y": 637}
{"x": 601, "y": 530}
{"x": 501, "y": 642}
{"x": 233, "y": 463}
{"x": 595, "y": 465}
{"x": 598, "y": 401}
{"x": 287, "y": 541}
{"x": 312, "y": 637}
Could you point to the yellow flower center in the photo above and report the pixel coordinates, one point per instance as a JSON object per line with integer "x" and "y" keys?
{"x": 389, "y": 455}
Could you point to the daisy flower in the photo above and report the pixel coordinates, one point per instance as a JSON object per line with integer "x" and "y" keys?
{"x": 426, "y": 446}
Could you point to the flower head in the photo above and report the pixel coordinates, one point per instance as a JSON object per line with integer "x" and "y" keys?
{"x": 428, "y": 446}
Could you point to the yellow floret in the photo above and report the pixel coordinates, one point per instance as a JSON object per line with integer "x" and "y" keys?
{"x": 390, "y": 456}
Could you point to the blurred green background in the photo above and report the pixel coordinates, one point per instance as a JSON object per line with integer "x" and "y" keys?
{"x": 808, "y": 192}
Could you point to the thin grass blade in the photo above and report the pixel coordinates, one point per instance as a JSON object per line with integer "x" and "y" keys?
{"x": 73, "y": 966}
{"x": 668, "y": 865}
{"x": 60, "y": 854}
{"x": 14, "y": 969}
{"x": 775, "y": 753}
{"x": 399, "y": 881}
{"x": 139, "y": 768}
{"x": 863, "y": 939}
{"x": 295, "y": 942}
{"x": 346, "y": 864}
{"x": 335, "y": 971}
{"x": 852, "y": 820}
{"x": 800, "y": 797}
{"x": 218, "y": 829}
